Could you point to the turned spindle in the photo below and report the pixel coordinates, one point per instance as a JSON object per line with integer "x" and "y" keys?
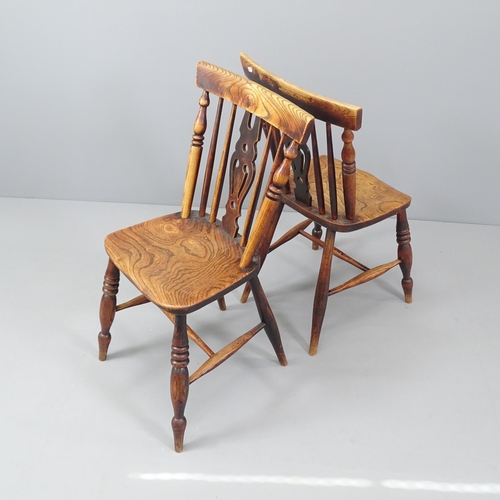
{"x": 349, "y": 174}
{"x": 108, "y": 307}
{"x": 200, "y": 126}
{"x": 405, "y": 254}
{"x": 179, "y": 379}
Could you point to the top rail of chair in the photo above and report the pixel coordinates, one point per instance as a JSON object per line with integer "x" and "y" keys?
{"x": 258, "y": 100}
{"x": 328, "y": 110}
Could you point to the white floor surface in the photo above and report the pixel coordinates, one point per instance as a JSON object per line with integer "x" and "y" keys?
{"x": 402, "y": 401}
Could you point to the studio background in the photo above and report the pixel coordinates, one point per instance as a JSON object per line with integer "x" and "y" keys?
{"x": 97, "y": 98}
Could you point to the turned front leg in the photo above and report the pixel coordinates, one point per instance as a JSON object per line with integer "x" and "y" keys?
{"x": 108, "y": 307}
{"x": 179, "y": 380}
{"x": 405, "y": 254}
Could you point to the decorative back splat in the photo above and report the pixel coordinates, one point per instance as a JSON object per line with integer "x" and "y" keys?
{"x": 241, "y": 171}
{"x": 300, "y": 171}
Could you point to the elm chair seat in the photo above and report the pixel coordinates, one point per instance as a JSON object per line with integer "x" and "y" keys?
{"x": 377, "y": 201}
{"x": 171, "y": 261}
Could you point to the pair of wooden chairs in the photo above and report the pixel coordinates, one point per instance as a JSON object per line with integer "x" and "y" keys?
{"x": 184, "y": 261}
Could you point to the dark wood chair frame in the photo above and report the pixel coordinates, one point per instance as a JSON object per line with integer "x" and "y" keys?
{"x": 184, "y": 261}
{"x": 335, "y": 195}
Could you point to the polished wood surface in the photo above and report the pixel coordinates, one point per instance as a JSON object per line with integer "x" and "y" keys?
{"x": 328, "y": 110}
{"x": 194, "y": 159}
{"x": 108, "y": 307}
{"x": 179, "y": 379}
{"x": 181, "y": 262}
{"x": 275, "y": 110}
{"x": 202, "y": 260}
{"x": 242, "y": 172}
{"x": 375, "y": 200}
{"x": 335, "y": 194}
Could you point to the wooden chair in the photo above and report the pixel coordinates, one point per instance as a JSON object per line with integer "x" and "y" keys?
{"x": 184, "y": 261}
{"x": 335, "y": 195}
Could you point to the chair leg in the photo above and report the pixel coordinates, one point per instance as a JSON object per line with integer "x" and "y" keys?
{"x": 322, "y": 289}
{"x": 108, "y": 307}
{"x": 222, "y": 303}
{"x": 317, "y": 233}
{"x": 246, "y": 293}
{"x": 405, "y": 254}
{"x": 267, "y": 317}
{"x": 179, "y": 379}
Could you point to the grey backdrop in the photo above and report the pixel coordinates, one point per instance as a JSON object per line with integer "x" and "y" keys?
{"x": 97, "y": 97}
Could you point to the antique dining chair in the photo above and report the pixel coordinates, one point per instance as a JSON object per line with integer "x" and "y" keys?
{"x": 184, "y": 261}
{"x": 334, "y": 194}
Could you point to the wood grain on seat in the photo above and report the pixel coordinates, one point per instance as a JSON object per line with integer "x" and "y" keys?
{"x": 178, "y": 264}
{"x": 375, "y": 200}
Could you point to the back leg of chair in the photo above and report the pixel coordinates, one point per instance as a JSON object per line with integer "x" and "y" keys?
{"x": 108, "y": 307}
{"x": 179, "y": 379}
{"x": 322, "y": 289}
{"x": 405, "y": 254}
{"x": 317, "y": 233}
{"x": 267, "y": 317}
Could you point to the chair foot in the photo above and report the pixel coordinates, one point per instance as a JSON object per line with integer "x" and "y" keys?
{"x": 179, "y": 427}
{"x": 408, "y": 290}
{"x": 246, "y": 293}
{"x": 222, "y": 303}
{"x": 317, "y": 232}
{"x": 313, "y": 349}
{"x": 179, "y": 379}
{"x": 322, "y": 289}
{"x": 108, "y": 308}
{"x": 103, "y": 341}
{"x": 405, "y": 254}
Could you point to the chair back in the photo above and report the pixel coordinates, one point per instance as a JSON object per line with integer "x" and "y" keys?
{"x": 234, "y": 168}
{"x": 331, "y": 112}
